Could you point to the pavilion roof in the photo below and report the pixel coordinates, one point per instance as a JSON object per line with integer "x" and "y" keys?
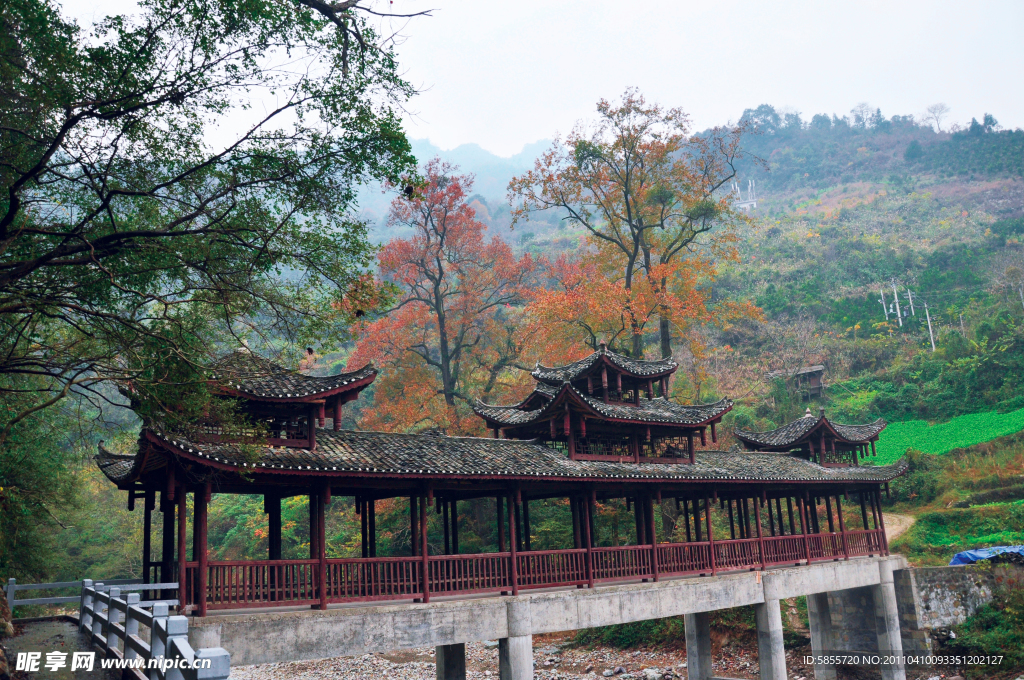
{"x": 796, "y": 432}
{"x": 637, "y": 368}
{"x": 382, "y": 454}
{"x": 253, "y": 376}
{"x": 652, "y": 411}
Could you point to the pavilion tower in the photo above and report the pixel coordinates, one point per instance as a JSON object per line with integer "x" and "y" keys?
{"x": 608, "y": 407}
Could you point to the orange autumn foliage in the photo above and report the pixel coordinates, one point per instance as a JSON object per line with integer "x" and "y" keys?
{"x": 445, "y": 341}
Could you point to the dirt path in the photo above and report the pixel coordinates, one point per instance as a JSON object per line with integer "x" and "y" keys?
{"x": 896, "y": 524}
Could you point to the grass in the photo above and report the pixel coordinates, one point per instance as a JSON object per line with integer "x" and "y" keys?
{"x": 960, "y": 432}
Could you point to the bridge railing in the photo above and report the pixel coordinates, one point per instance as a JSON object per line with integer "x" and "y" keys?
{"x": 267, "y": 583}
{"x": 112, "y": 622}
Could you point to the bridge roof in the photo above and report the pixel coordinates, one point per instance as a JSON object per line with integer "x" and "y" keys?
{"x": 638, "y": 368}
{"x": 653, "y": 411}
{"x": 797, "y": 432}
{"x": 390, "y": 455}
{"x": 252, "y": 376}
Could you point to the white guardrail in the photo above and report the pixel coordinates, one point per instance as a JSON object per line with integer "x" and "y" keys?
{"x": 113, "y": 622}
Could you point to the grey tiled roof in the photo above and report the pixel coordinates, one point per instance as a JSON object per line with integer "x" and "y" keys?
{"x": 387, "y": 454}
{"x": 652, "y": 411}
{"x": 797, "y": 371}
{"x": 635, "y": 367}
{"x": 790, "y": 433}
{"x": 856, "y": 433}
{"x": 255, "y": 376}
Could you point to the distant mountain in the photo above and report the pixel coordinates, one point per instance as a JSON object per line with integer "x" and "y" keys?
{"x": 492, "y": 174}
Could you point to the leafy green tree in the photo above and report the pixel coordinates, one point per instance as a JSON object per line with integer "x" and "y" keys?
{"x": 139, "y": 222}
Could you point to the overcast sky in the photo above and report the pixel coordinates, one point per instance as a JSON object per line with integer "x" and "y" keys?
{"x": 504, "y": 74}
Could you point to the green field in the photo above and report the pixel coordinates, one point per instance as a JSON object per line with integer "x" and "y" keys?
{"x": 959, "y": 432}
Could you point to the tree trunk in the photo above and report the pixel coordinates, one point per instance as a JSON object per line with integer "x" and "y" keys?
{"x": 666, "y": 338}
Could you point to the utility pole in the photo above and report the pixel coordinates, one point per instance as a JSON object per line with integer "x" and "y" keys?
{"x": 931, "y": 336}
{"x": 885, "y": 308}
{"x": 910, "y": 294}
{"x": 899, "y": 316}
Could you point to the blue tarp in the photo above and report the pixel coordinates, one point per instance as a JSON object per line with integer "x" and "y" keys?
{"x": 972, "y": 556}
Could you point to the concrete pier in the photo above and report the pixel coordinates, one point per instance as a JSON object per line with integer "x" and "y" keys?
{"x": 448, "y": 625}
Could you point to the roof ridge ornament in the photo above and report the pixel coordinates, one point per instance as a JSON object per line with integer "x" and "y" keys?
{"x": 808, "y": 414}
{"x": 603, "y": 347}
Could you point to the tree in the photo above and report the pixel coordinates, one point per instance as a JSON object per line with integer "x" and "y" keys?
{"x": 136, "y": 228}
{"x": 644, "y": 191}
{"x": 936, "y": 112}
{"x": 456, "y": 290}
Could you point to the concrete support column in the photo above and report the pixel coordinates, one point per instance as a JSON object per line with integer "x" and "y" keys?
{"x": 771, "y": 653}
{"x": 698, "y": 645}
{"x": 822, "y": 638}
{"x": 451, "y": 662}
{"x": 515, "y": 653}
{"x": 887, "y": 623}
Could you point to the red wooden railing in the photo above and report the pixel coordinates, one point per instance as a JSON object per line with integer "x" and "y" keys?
{"x": 451, "y": 574}
{"x": 623, "y": 562}
{"x": 684, "y": 558}
{"x": 549, "y": 568}
{"x": 382, "y": 578}
{"x": 237, "y": 584}
{"x": 826, "y": 546}
{"x": 783, "y": 549}
{"x": 240, "y": 584}
{"x": 737, "y": 554}
{"x": 864, "y": 542}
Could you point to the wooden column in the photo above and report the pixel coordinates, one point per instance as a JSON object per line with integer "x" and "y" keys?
{"x": 771, "y": 518}
{"x": 789, "y": 510}
{"x": 588, "y": 538}
{"x": 842, "y": 527}
{"x": 711, "y": 534}
{"x": 732, "y": 524}
{"x": 526, "y": 524}
{"x": 760, "y": 535}
{"x": 686, "y": 518}
{"x": 714, "y": 433}
{"x": 652, "y": 535}
{"x": 371, "y": 512}
{"x": 147, "y": 534}
{"x": 167, "y": 538}
{"x": 272, "y": 506}
{"x": 604, "y": 383}
{"x": 311, "y": 426}
{"x": 199, "y": 528}
{"x": 321, "y": 546}
{"x": 337, "y": 414}
{"x": 424, "y": 550}
{"x": 803, "y": 526}
{"x": 321, "y": 414}
{"x": 183, "y": 598}
{"x": 881, "y": 522}
{"x": 512, "y": 542}
{"x": 828, "y": 511}
{"x": 689, "y": 447}
{"x": 697, "y": 529}
{"x": 567, "y": 427}
{"x": 863, "y": 511}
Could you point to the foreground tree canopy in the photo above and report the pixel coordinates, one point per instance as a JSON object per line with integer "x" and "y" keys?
{"x": 168, "y": 181}
{"x": 179, "y": 176}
